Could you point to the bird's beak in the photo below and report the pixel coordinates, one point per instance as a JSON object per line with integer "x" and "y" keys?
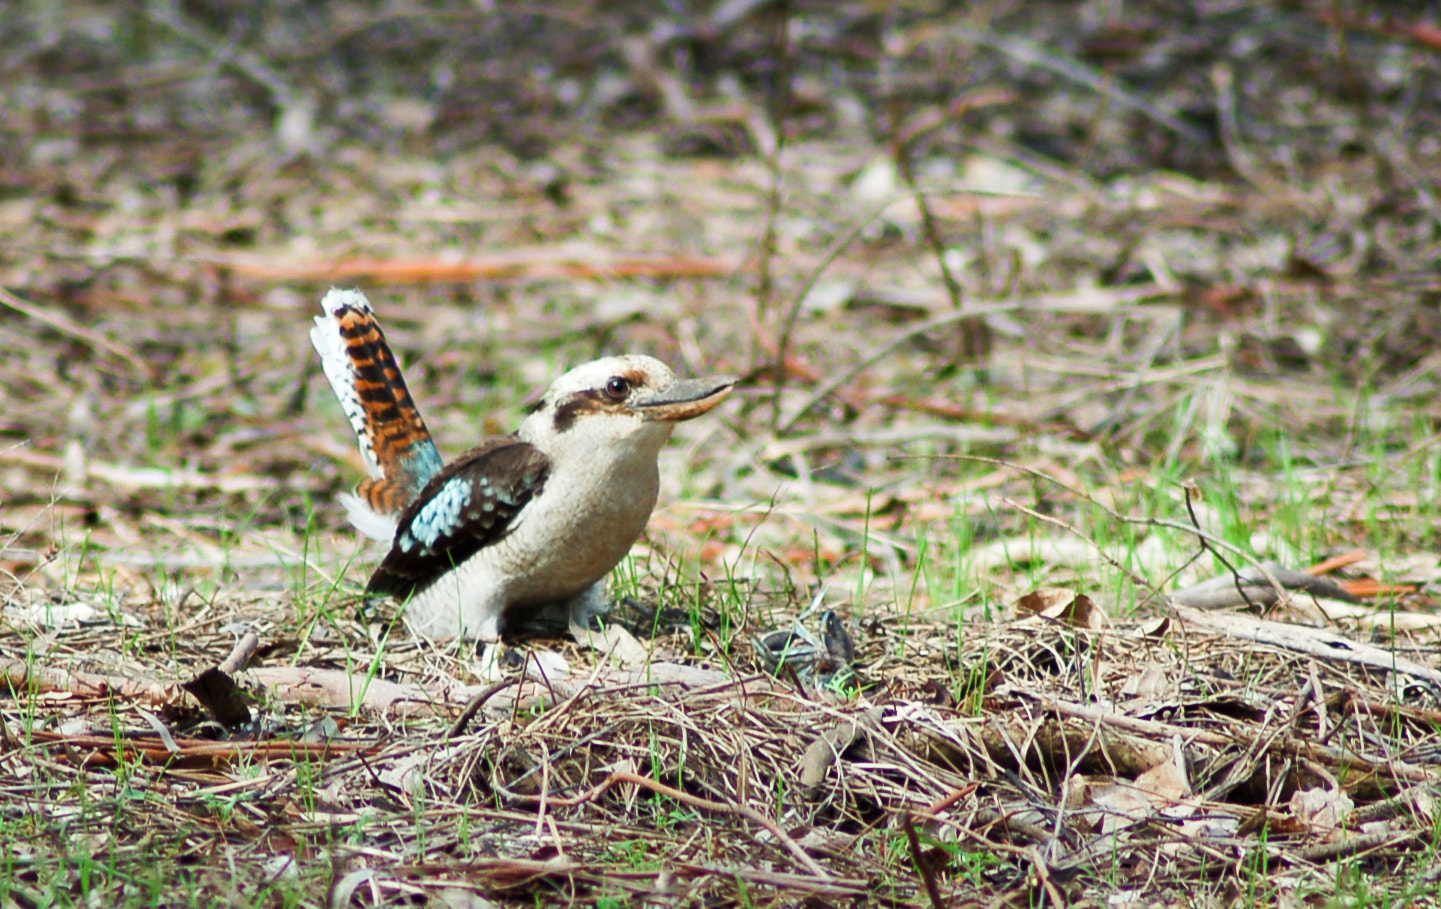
{"x": 686, "y": 398}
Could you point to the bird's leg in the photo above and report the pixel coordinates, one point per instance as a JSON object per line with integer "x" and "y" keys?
{"x": 590, "y": 604}
{"x": 487, "y": 666}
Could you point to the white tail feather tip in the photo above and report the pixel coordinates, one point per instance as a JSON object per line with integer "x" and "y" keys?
{"x": 337, "y": 297}
{"x": 367, "y": 520}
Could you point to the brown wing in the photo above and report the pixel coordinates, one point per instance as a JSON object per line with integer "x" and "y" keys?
{"x": 469, "y": 505}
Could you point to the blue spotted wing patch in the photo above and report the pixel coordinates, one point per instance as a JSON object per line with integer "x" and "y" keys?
{"x": 469, "y": 505}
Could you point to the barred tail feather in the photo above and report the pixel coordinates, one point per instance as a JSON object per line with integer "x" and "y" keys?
{"x": 398, "y": 450}
{"x": 367, "y": 519}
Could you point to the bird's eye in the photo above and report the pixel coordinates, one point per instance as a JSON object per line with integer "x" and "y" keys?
{"x": 617, "y": 388}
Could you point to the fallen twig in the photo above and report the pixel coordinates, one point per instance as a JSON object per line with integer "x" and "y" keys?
{"x": 1326, "y": 566}
{"x": 695, "y": 802}
{"x": 1167, "y": 732}
{"x": 121, "y": 476}
{"x": 106, "y": 748}
{"x": 1250, "y": 586}
{"x": 27, "y": 675}
{"x": 240, "y": 655}
{"x": 1317, "y": 642}
{"x": 526, "y": 265}
{"x": 67, "y": 326}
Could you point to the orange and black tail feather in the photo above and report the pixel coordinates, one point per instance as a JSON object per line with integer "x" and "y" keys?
{"x": 398, "y": 450}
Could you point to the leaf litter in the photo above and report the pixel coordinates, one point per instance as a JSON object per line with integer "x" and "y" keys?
{"x": 907, "y": 628}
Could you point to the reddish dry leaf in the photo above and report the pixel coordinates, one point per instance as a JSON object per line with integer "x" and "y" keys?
{"x": 526, "y": 265}
{"x": 1337, "y": 562}
{"x": 1370, "y": 587}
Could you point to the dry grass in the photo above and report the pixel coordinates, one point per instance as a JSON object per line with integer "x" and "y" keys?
{"x": 1191, "y": 256}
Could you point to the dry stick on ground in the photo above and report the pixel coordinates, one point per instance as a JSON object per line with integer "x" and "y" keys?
{"x": 474, "y": 705}
{"x": 1326, "y": 755}
{"x": 338, "y": 688}
{"x": 1219, "y": 592}
{"x": 883, "y": 351}
{"x": 695, "y": 802}
{"x": 783, "y": 339}
{"x": 923, "y": 867}
{"x": 106, "y": 747}
{"x": 23, "y": 675}
{"x": 1125, "y": 519}
{"x": 1070, "y": 68}
{"x": 123, "y": 477}
{"x": 1336, "y": 562}
{"x": 240, "y": 654}
{"x": 973, "y": 337}
{"x": 1317, "y": 642}
{"x": 335, "y": 687}
{"x": 67, "y": 326}
{"x": 1297, "y": 638}
{"x": 1189, "y": 488}
{"x": 526, "y": 265}
{"x": 1354, "y": 846}
{"x": 779, "y": 101}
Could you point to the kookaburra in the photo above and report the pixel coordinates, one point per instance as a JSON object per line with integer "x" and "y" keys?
{"x": 521, "y": 523}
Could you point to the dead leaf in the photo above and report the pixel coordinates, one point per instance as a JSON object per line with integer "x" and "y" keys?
{"x": 1043, "y": 598}
{"x": 1065, "y": 606}
{"x": 217, "y": 692}
{"x": 462, "y": 898}
{"x": 1165, "y": 783}
{"x": 613, "y": 642}
{"x": 1116, "y": 805}
{"x": 1148, "y": 685}
{"x": 1325, "y": 811}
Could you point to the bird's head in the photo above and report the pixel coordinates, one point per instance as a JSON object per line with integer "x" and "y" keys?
{"x": 625, "y": 402}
